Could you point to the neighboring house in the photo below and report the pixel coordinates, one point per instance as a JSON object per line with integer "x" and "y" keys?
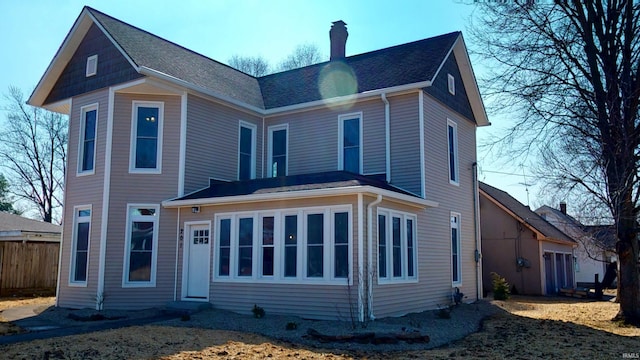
{"x": 530, "y": 253}
{"x": 29, "y": 253}
{"x": 346, "y": 185}
{"x": 596, "y": 244}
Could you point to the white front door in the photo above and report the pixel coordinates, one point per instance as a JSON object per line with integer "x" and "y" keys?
{"x": 197, "y": 262}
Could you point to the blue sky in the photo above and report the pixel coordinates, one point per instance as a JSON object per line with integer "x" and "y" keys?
{"x": 32, "y": 31}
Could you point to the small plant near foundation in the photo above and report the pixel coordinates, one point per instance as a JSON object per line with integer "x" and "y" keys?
{"x": 500, "y": 287}
{"x": 258, "y": 312}
{"x": 292, "y": 325}
{"x": 444, "y": 312}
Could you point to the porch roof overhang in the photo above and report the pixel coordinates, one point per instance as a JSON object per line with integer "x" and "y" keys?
{"x": 330, "y": 184}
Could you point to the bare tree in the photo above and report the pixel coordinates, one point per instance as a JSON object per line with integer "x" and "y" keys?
{"x": 253, "y": 65}
{"x": 303, "y": 55}
{"x": 568, "y": 74}
{"x": 33, "y": 145}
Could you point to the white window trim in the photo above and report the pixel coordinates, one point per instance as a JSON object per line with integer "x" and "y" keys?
{"x": 271, "y": 130}
{"x": 132, "y": 149}
{"x": 451, "y": 84}
{"x": 127, "y": 245}
{"x": 74, "y": 233}
{"x": 459, "y": 227}
{"x": 451, "y": 123}
{"x": 279, "y": 249}
{"x": 91, "y": 70}
{"x": 83, "y": 111}
{"x": 254, "y": 131}
{"x": 404, "y": 216}
{"x": 341, "y": 119}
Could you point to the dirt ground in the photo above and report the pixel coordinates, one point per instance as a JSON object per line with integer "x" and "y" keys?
{"x": 7, "y": 328}
{"x": 530, "y": 327}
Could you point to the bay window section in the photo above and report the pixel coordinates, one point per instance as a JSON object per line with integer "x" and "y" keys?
{"x": 305, "y": 245}
{"x": 146, "y": 137}
{"x": 80, "y": 249}
{"x": 141, "y": 245}
{"x": 397, "y": 252}
{"x": 87, "y": 144}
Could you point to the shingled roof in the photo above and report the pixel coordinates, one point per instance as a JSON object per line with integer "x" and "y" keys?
{"x": 10, "y": 222}
{"x": 524, "y": 213}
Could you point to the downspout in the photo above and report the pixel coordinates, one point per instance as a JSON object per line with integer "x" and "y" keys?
{"x": 370, "y": 255}
{"x": 476, "y": 217}
{"x": 175, "y": 277}
{"x": 360, "y": 260}
{"x": 387, "y": 137}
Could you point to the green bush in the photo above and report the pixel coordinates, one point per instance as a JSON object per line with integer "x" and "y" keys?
{"x": 258, "y": 312}
{"x": 500, "y": 287}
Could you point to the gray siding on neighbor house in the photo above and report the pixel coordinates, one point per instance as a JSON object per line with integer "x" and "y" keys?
{"x": 434, "y": 232}
{"x": 112, "y": 68}
{"x": 405, "y": 142}
{"x": 320, "y": 301}
{"x": 212, "y": 142}
{"x": 129, "y": 188}
{"x": 83, "y": 190}
{"x": 313, "y": 137}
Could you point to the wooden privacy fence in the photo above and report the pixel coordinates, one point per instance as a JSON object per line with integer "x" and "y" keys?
{"x": 28, "y": 266}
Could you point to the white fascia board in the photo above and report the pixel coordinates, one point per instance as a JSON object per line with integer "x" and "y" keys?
{"x": 155, "y": 73}
{"x": 348, "y": 99}
{"x": 305, "y": 194}
{"x": 61, "y": 58}
{"x": 470, "y": 83}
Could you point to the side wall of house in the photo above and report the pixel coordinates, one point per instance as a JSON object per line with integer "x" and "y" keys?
{"x": 148, "y": 189}
{"x": 212, "y": 142}
{"x": 85, "y": 190}
{"x": 504, "y": 240}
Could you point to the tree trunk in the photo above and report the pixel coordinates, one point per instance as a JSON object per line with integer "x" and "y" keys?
{"x": 629, "y": 277}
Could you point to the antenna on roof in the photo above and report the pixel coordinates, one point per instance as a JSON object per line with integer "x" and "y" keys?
{"x": 526, "y": 185}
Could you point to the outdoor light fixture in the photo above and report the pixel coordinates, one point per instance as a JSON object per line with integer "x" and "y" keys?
{"x": 195, "y": 209}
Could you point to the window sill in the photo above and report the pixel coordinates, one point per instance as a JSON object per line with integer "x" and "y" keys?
{"x": 397, "y": 281}
{"x": 77, "y": 284}
{"x": 85, "y": 173}
{"x": 139, "y": 285}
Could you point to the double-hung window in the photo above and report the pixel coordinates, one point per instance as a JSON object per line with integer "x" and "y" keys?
{"x": 397, "y": 254}
{"x": 80, "y": 254}
{"x": 141, "y": 247}
{"x": 452, "y": 141}
{"x": 146, "y": 137}
{"x": 246, "y": 151}
{"x": 278, "y": 141}
{"x": 350, "y": 143}
{"x": 87, "y": 142}
{"x": 456, "y": 267}
{"x": 310, "y": 245}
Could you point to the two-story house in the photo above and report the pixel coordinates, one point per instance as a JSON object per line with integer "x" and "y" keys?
{"x": 346, "y": 185}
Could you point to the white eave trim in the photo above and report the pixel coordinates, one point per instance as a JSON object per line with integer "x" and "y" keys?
{"x": 305, "y": 194}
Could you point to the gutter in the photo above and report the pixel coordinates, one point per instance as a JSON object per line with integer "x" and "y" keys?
{"x": 370, "y": 255}
{"x": 476, "y": 217}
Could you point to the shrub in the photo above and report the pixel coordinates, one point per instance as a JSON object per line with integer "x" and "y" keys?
{"x": 500, "y": 287}
{"x": 292, "y": 325}
{"x": 257, "y": 311}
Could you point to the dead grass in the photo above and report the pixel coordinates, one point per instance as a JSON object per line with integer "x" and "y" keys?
{"x": 530, "y": 327}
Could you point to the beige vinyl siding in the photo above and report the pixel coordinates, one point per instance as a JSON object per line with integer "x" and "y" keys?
{"x": 212, "y": 142}
{"x": 83, "y": 190}
{"x": 307, "y": 300}
{"x": 129, "y": 188}
{"x": 405, "y": 142}
{"x": 433, "y": 227}
{"x": 313, "y": 137}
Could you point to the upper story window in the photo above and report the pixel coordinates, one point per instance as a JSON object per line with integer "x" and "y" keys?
{"x": 80, "y": 248}
{"x": 451, "y": 84}
{"x": 456, "y": 267}
{"x": 397, "y": 255}
{"x": 141, "y": 247}
{"x": 350, "y": 143}
{"x": 146, "y": 137}
{"x": 87, "y": 141}
{"x": 278, "y": 140}
{"x": 92, "y": 65}
{"x": 452, "y": 136}
{"x": 247, "y": 151}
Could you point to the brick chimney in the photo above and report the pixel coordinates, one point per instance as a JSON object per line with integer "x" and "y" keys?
{"x": 563, "y": 207}
{"x": 338, "y": 36}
